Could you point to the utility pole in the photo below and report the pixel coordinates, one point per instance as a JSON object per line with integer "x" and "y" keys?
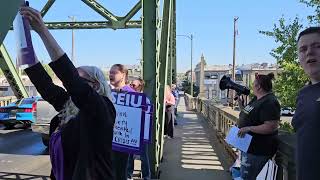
{"x": 73, "y": 19}
{"x": 191, "y": 87}
{"x": 235, "y": 32}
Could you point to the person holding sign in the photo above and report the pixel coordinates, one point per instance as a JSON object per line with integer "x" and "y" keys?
{"x": 118, "y": 76}
{"x": 81, "y": 134}
{"x": 138, "y": 86}
{"x": 260, "y": 118}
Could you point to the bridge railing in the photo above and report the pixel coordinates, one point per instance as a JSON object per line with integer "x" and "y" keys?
{"x": 4, "y": 101}
{"x": 222, "y": 118}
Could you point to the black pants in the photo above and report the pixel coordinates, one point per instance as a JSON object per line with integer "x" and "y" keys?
{"x": 169, "y": 121}
{"x": 119, "y": 165}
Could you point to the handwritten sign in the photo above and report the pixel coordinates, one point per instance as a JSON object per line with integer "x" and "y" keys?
{"x": 133, "y": 121}
{"x": 129, "y": 124}
{"x": 127, "y": 131}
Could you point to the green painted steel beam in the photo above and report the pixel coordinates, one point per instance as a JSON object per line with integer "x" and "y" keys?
{"x": 46, "y": 7}
{"x": 174, "y": 44}
{"x": 11, "y": 74}
{"x": 92, "y": 25}
{"x": 170, "y": 46}
{"x": 101, "y": 10}
{"x": 162, "y": 69}
{"x": 8, "y": 11}
{"x": 149, "y": 44}
{"x": 132, "y": 12}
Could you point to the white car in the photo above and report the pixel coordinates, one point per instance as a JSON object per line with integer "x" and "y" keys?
{"x": 287, "y": 111}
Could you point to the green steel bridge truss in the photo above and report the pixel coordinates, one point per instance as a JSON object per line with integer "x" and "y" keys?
{"x": 158, "y": 55}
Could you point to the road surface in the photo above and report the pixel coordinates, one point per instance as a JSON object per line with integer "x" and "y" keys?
{"x": 22, "y": 155}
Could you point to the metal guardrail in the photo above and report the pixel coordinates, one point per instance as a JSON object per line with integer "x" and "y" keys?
{"x": 4, "y": 101}
{"x": 221, "y": 119}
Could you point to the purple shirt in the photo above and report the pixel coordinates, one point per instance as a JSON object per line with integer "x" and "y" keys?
{"x": 127, "y": 89}
{"x": 56, "y": 155}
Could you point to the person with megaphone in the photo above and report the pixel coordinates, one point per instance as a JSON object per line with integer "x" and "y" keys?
{"x": 259, "y": 118}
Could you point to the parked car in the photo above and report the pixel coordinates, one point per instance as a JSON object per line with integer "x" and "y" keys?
{"x": 45, "y": 112}
{"x": 287, "y": 111}
{"x": 22, "y": 111}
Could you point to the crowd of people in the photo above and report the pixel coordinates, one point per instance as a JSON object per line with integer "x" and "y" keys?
{"x": 80, "y": 149}
{"x": 260, "y": 117}
{"x": 81, "y": 134}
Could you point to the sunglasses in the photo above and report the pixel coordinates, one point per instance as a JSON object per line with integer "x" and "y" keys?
{"x": 134, "y": 85}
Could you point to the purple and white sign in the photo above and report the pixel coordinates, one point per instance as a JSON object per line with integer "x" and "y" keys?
{"x": 148, "y": 122}
{"x": 22, "y": 33}
{"x": 129, "y": 125}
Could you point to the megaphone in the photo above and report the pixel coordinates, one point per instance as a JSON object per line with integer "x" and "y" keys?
{"x": 227, "y": 83}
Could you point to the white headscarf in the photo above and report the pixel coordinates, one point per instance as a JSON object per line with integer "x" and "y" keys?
{"x": 96, "y": 74}
{"x": 70, "y": 110}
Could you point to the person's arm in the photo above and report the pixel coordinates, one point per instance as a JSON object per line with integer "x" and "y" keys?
{"x": 83, "y": 96}
{"x": 240, "y": 102}
{"x": 37, "y": 24}
{"x": 55, "y": 95}
{"x": 269, "y": 114}
{"x": 51, "y": 44}
{"x": 50, "y": 92}
{"x": 268, "y": 127}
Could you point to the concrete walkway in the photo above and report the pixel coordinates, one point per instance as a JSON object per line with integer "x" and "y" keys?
{"x": 194, "y": 153}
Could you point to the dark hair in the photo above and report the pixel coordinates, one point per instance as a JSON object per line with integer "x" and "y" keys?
{"x": 309, "y": 30}
{"x": 122, "y": 69}
{"x": 265, "y": 81}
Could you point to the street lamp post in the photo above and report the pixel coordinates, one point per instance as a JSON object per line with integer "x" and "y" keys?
{"x": 191, "y": 50}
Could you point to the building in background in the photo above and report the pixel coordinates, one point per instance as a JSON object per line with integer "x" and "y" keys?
{"x": 249, "y": 71}
{"x": 180, "y": 78}
{"x": 5, "y": 89}
{"x": 212, "y": 76}
{"x": 244, "y": 74}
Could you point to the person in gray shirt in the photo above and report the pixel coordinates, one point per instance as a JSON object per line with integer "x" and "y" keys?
{"x": 306, "y": 120}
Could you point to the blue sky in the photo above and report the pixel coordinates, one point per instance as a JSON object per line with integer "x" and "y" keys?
{"x": 210, "y": 21}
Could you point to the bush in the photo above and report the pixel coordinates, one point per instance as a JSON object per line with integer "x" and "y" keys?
{"x": 286, "y": 127}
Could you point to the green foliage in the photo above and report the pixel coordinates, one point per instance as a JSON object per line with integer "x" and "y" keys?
{"x": 315, "y": 4}
{"x": 292, "y": 77}
{"x": 251, "y": 95}
{"x": 288, "y": 83}
{"x": 286, "y": 127}
{"x": 286, "y": 36}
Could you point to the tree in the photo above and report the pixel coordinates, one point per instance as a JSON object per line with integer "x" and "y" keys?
{"x": 292, "y": 77}
{"x": 315, "y": 4}
{"x": 289, "y": 82}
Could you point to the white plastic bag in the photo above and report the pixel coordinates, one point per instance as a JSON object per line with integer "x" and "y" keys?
{"x": 269, "y": 171}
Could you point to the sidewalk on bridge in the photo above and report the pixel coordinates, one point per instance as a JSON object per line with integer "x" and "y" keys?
{"x": 195, "y": 152}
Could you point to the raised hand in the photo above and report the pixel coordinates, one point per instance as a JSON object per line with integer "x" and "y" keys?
{"x": 35, "y": 19}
